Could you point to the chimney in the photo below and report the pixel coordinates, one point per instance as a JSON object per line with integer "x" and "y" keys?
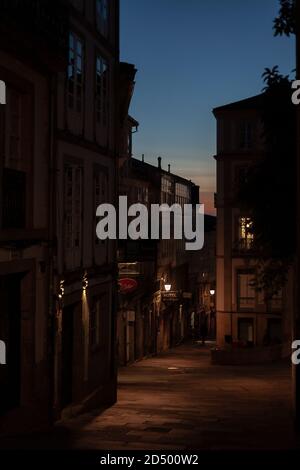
{"x": 159, "y": 162}
{"x": 143, "y": 157}
{"x": 169, "y": 168}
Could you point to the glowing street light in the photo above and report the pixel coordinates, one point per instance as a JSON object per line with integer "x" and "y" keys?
{"x": 85, "y": 282}
{"x": 168, "y": 287}
{"x": 212, "y": 291}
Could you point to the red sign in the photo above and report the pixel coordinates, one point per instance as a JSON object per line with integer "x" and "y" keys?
{"x": 127, "y": 285}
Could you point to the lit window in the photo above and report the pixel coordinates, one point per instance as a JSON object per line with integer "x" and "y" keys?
{"x": 102, "y": 15}
{"x": 75, "y": 73}
{"x": 102, "y": 82}
{"x": 245, "y": 291}
{"x": 245, "y": 233}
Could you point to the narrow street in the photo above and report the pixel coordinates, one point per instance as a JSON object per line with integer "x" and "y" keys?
{"x": 180, "y": 401}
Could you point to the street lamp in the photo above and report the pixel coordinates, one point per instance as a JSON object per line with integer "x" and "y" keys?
{"x": 168, "y": 287}
{"x": 212, "y": 291}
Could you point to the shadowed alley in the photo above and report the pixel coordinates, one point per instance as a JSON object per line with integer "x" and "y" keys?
{"x": 178, "y": 400}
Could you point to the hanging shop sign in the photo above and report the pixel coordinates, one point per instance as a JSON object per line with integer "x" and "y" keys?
{"x": 127, "y": 285}
{"x": 129, "y": 269}
{"x": 171, "y": 296}
{"x": 187, "y": 295}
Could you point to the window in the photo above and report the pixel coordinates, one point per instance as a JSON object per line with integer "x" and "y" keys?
{"x": 182, "y": 193}
{"x": 241, "y": 175}
{"x": 166, "y": 189}
{"x": 13, "y": 129}
{"x": 100, "y": 194}
{"x": 246, "y": 330}
{"x": 166, "y": 185}
{"x": 245, "y": 235}
{"x": 246, "y": 136}
{"x": 181, "y": 190}
{"x": 139, "y": 195}
{"x": 102, "y": 91}
{"x": 73, "y": 207}
{"x": 75, "y": 73}
{"x": 102, "y": 16}
{"x": 245, "y": 291}
{"x": 95, "y": 323}
{"x": 14, "y": 182}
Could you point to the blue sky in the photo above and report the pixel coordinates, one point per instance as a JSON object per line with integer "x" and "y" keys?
{"x": 191, "y": 56}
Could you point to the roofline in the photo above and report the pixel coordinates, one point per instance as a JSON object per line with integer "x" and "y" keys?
{"x": 165, "y": 172}
{"x": 133, "y": 121}
{"x": 253, "y": 102}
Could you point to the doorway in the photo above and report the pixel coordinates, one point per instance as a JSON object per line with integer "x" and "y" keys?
{"x": 246, "y": 330}
{"x": 67, "y": 355}
{"x": 130, "y": 337}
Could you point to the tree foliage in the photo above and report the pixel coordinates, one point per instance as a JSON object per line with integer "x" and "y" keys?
{"x": 285, "y": 22}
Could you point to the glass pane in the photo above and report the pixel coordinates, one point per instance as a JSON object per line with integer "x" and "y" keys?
{"x": 70, "y": 71}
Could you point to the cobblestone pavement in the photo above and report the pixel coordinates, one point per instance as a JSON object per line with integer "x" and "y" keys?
{"x": 180, "y": 401}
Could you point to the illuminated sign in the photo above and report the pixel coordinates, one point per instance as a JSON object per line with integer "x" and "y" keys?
{"x": 171, "y": 296}
{"x": 127, "y": 285}
{"x": 130, "y": 269}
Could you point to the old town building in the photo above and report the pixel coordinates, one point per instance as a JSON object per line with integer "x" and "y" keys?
{"x": 86, "y": 150}
{"x": 244, "y": 317}
{"x": 28, "y": 72}
{"x": 66, "y": 102}
{"x": 155, "y": 297}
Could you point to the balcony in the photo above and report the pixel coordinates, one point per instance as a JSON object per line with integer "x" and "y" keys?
{"x": 36, "y": 29}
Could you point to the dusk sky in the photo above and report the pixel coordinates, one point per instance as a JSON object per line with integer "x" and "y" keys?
{"x": 191, "y": 56}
